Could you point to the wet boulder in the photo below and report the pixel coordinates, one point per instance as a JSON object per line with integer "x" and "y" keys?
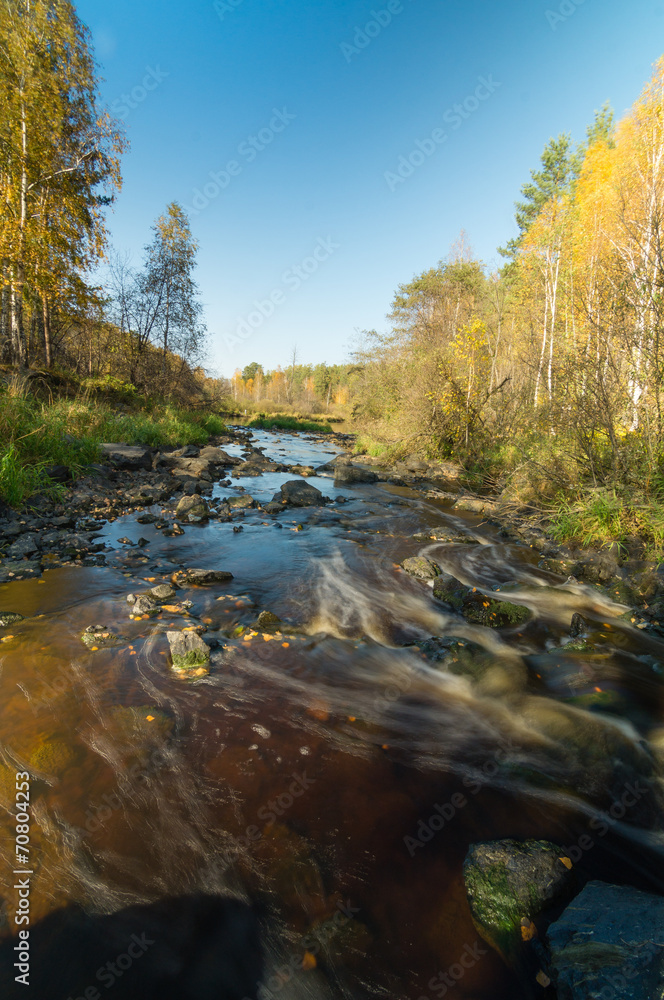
{"x": 421, "y": 568}
{"x": 244, "y": 502}
{"x": 298, "y": 493}
{"x": 448, "y": 589}
{"x": 10, "y": 618}
{"x": 353, "y": 474}
{"x": 609, "y": 942}
{"x": 267, "y": 622}
{"x": 190, "y": 655}
{"x": 481, "y": 609}
{"x": 510, "y": 886}
{"x": 162, "y": 592}
{"x": 145, "y": 605}
{"x": 216, "y": 456}
{"x": 24, "y": 546}
{"x": 192, "y": 509}
{"x": 99, "y": 637}
{"x": 19, "y": 569}
{"x": 201, "y": 577}
{"x": 127, "y": 456}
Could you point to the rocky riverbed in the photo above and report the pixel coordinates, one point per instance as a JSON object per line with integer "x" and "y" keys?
{"x": 424, "y": 737}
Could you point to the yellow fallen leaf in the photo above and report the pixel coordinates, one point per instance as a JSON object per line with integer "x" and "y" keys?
{"x": 543, "y": 979}
{"x": 94, "y": 648}
{"x": 150, "y": 718}
{"x": 308, "y": 961}
{"x": 285, "y": 645}
{"x": 566, "y": 862}
{"x": 528, "y": 929}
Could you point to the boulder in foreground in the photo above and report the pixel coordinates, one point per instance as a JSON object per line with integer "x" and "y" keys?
{"x": 609, "y": 942}
{"x": 190, "y": 655}
{"x": 298, "y": 493}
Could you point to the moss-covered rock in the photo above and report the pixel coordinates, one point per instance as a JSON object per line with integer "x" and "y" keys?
{"x": 421, "y": 568}
{"x": 10, "y": 618}
{"x": 482, "y": 610}
{"x": 446, "y": 588}
{"x": 510, "y": 886}
{"x": 190, "y": 654}
{"x": 99, "y": 637}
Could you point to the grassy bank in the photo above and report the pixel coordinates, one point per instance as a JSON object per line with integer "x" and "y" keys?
{"x": 287, "y": 423}
{"x": 35, "y": 434}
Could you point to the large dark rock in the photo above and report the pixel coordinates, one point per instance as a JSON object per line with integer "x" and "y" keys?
{"x": 353, "y": 474}
{"x": 127, "y": 456}
{"x": 58, "y": 473}
{"x": 216, "y": 456}
{"x": 299, "y": 493}
{"x": 609, "y": 943}
{"x": 510, "y": 885}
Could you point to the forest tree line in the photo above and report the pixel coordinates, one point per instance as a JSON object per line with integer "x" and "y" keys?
{"x": 60, "y": 153}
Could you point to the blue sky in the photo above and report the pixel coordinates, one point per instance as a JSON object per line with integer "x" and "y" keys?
{"x": 297, "y": 120}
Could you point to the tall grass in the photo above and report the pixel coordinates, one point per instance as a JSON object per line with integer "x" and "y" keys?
{"x": 35, "y": 434}
{"x": 601, "y": 516}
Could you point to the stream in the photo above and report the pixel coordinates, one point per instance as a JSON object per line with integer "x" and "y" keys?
{"x": 336, "y": 768}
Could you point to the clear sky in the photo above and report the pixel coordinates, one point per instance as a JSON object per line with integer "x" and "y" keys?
{"x": 291, "y": 120}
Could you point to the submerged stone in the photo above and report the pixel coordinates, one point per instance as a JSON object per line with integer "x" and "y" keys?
{"x": 53, "y": 756}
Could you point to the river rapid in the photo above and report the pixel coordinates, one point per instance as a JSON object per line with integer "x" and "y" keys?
{"x": 335, "y": 768}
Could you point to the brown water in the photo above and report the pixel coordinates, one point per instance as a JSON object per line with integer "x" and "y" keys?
{"x": 303, "y": 770}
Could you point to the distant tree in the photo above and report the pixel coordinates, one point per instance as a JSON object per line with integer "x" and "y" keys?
{"x": 250, "y": 371}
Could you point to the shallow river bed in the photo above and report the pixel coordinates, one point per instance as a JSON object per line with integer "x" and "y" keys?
{"x": 335, "y": 768}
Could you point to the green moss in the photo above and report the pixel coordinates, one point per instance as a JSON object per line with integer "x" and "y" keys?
{"x": 53, "y": 756}
{"x": 190, "y": 660}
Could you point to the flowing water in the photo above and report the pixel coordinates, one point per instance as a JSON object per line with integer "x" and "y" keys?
{"x": 335, "y": 771}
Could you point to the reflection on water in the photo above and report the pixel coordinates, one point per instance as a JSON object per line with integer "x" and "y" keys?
{"x": 302, "y": 772}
